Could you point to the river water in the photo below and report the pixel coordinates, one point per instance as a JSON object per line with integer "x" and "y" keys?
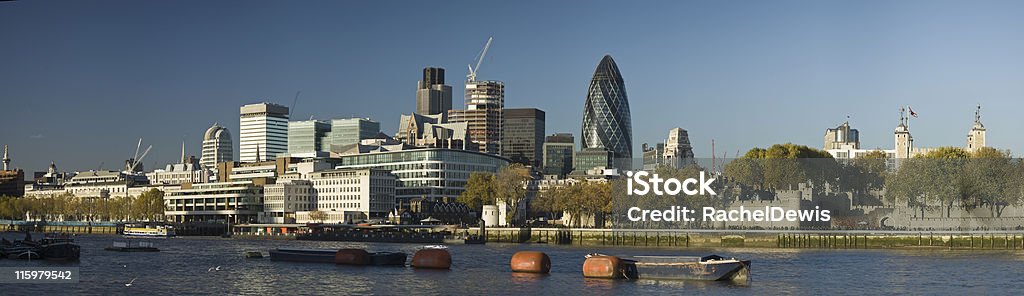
{"x": 183, "y": 267}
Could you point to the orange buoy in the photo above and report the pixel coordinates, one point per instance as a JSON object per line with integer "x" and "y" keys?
{"x": 352, "y": 257}
{"x": 603, "y": 266}
{"x": 531, "y": 261}
{"x": 432, "y": 258}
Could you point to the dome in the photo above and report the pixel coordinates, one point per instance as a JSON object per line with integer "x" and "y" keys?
{"x": 215, "y": 131}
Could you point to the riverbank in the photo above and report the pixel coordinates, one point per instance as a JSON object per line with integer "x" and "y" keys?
{"x": 785, "y": 239}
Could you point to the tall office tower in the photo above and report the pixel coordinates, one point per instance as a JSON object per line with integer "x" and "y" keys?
{"x": 485, "y": 101}
{"x": 523, "y": 136}
{"x": 678, "y": 151}
{"x": 350, "y": 131}
{"x": 217, "y": 147}
{"x": 308, "y": 136}
{"x": 558, "y": 154}
{"x": 606, "y": 120}
{"x": 432, "y": 95}
{"x": 976, "y": 138}
{"x": 263, "y": 132}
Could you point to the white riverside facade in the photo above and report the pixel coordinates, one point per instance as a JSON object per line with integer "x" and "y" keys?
{"x": 282, "y": 200}
{"x": 263, "y": 132}
{"x": 426, "y": 172}
{"x": 234, "y": 202}
{"x": 353, "y": 194}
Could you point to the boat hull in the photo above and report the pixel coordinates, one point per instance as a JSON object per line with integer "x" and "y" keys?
{"x": 61, "y": 252}
{"x": 716, "y": 270}
{"x": 388, "y": 258}
{"x": 300, "y": 255}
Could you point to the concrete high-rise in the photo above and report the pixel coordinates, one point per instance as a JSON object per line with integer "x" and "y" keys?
{"x": 263, "y": 132}
{"x": 217, "y": 147}
{"x": 432, "y": 95}
{"x": 558, "y": 154}
{"x": 522, "y": 137}
{"x": 606, "y": 119}
{"x": 484, "y": 114}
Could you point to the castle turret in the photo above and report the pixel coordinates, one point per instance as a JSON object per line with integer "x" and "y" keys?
{"x": 976, "y": 137}
{"x": 904, "y": 141}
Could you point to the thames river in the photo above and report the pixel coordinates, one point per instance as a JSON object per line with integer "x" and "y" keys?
{"x": 183, "y": 266}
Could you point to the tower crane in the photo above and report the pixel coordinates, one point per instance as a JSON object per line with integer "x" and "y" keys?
{"x": 480, "y": 59}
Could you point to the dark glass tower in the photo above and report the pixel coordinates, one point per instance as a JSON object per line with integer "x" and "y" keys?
{"x": 606, "y": 123}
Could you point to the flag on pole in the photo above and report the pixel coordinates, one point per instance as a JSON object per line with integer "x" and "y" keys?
{"x": 912, "y": 113}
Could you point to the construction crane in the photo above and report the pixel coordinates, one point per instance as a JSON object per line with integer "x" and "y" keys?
{"x": 480, "y": 59}
{"x": 136, "y": 160}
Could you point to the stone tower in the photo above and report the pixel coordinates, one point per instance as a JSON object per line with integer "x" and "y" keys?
{"x": 904, "y": 141}
{"x": 976, "y": 138}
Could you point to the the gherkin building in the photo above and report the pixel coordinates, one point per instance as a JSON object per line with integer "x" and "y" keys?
{"x": 606, "y": 121}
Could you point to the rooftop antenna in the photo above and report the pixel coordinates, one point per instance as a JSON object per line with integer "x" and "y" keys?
{"x": 480, "y": 59}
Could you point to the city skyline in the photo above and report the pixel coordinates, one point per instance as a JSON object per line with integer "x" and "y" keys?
{"x": 745, "y": 80}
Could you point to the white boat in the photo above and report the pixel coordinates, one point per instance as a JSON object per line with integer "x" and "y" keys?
{"x": 148, "y": 231}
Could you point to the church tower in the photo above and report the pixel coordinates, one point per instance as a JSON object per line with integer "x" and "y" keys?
{"x": 976, "y": 138}
{"x": 904, "y": 141}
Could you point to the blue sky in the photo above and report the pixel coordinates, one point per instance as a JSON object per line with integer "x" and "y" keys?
{"x": 81, "y": 81}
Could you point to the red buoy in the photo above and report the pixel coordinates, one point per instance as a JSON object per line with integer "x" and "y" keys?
{"x": 603, "y": 266}
{"x": 352, "y": 257}
{"x": 531, "y": 261}
{"x": 432, "y": 258}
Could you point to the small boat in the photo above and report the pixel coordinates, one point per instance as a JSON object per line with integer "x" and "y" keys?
{"x": 707, "y": 268}
{"x": 254, "y": 255}
{"x": 475, "y": 240}
{"x": 388, "y": 258}
{"x": 59, "y": 248}
{"x": 130, "y": 247}
{"x": 159, "y": 231}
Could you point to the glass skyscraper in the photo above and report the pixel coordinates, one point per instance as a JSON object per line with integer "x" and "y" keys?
{"x": 606, "y": 120}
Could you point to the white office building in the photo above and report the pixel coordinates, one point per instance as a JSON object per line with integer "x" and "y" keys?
{"x": 348, "y": 195}
{"x": 263, "y": 132}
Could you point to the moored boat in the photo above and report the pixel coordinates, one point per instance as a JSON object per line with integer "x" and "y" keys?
{"x": 59, "y": 248}
{"x": 707, "y": 268}
{"x": 388, "y": 258}
{"x": 342, "y": 256}
{"x": 157, "y": 231}
{"x": 303, "y": 255}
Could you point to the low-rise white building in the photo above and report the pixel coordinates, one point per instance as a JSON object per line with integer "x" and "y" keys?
{"x": 370, "y": 192}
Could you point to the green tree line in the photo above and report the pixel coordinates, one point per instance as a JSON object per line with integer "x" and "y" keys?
{"x": 148, "y": 206}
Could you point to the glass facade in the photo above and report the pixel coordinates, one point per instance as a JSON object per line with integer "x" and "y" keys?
{"x": 523, "y": 136}
{"x": 606, "y": 119}
{"x": 350, "y": 130}
{"x": 558, "y": 154}
{"x": 307, "y": 136}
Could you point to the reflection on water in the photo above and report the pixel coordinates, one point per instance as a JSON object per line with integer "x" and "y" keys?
{"x": 184, "y": 267}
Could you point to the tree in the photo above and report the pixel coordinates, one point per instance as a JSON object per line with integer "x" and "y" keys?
{"x": 318, "y": 216}
{"x": 480, "y": 190}
{"x": 510, "y": 188}
{"x": 149, "y": 205}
